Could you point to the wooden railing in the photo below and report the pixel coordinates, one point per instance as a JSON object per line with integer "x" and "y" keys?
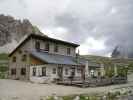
{"x": 93, "y": 81}
{"x": 119, "y": 80}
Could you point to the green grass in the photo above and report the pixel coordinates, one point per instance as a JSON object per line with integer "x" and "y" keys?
{"x": 107, "y": 59}
{"x": 3, "y": 69}
{"x": 96, "y": 58}
{"x": 84, "y": 97}
{"x": 110, "y": 61}
{"x": 3, "y": 65}
{"x": 3, "y": 75}
{"x": 70, "y": 97}
{"x": 3, "y": 56}
{"x": 50, "y": 98}
{"x": 116, "y": 95}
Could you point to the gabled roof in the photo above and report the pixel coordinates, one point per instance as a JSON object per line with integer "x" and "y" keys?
{"x": 42, "y": 37}
{"x": 57, "y": 59}
{"x": 54, "y": 40}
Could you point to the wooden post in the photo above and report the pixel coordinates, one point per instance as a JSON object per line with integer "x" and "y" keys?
{"x": 83, "y": 76}
{"x": 86, "y": 70}
{"x": 102, "y": 70}
{"x": 115, "y": 69}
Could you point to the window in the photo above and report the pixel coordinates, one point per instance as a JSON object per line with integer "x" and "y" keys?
{"x": 37, "y": 45}
{"x": 24, "y": 57}
{"x": 56, "y": 48}
{"x": 73, "y": 72}
{"x": 14, "y": 59}
{"x": 43, "y": 71}
{"x": 19, "y": 51}
{"x": 13, "y": 71}
{"x": 78, "y": 69}
{"x": 66, "y": 71}
{"x": 23, "y": 71}
{"x": 54, "y": 70}
{"x": 68, "y": 51}
{"x": 34, "y": 71}
{"x": 47, "y": 47}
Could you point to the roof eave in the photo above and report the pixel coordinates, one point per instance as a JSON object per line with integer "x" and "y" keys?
{"x": 35, "y": 35}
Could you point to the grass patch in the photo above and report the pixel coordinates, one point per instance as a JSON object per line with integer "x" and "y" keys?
{"x": 50, "y": 98}
{"x": 116, "y": 95}
{"x": 3, "y": 68}
{"x": 68, "y": 97}
{"x": 3, "y": 56}
{"x": 3, "y": 75}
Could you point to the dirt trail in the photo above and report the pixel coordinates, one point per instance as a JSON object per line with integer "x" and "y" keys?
{"x": 19, "y": 90}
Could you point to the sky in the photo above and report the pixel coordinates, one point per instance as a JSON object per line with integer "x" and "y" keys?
{"x": 97, "y": 25}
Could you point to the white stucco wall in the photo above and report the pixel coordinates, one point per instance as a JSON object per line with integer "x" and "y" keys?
{"x": 49, "y": 73}
{"x": 43, "y": 79}
{"x": 19, "y": 63}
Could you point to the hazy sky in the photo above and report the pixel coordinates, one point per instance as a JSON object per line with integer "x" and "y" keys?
{"x": 97, "y": 25}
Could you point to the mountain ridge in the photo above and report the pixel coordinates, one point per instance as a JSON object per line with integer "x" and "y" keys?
{"x": 13, "y": 30}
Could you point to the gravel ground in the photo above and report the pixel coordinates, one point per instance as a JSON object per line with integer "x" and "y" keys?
{"x": 19, "y": 90}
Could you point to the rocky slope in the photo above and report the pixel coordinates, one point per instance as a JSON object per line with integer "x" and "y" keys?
{"x": 12, "y": 30}
{"x": 121, "y": 52}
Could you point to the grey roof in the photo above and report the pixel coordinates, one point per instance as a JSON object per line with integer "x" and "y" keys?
{"x": 57, "y": 59}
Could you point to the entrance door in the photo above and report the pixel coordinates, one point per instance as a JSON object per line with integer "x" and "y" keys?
{"x": 83, "y": 73}
{"x": 60, "y": 72}
{"x": 43, "y": 71}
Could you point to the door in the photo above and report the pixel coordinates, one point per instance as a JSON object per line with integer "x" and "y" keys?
{"x": 60, "y": 72}
{"x": 83, "y": 73}
{"x": 43, "y": 71}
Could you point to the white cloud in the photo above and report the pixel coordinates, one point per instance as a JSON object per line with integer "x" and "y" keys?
{"x": 86, "y": 22}
{"x": 58, "y": 32}
{"x": 92, "y": 46}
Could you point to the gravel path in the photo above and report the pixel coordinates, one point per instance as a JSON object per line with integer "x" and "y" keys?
{"x": 19, "y": 90}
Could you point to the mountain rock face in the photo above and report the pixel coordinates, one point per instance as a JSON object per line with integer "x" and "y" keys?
{"x": 116, "y": 53}
{"x": 12, "y": 30}
{"x": 121, "y": 52}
